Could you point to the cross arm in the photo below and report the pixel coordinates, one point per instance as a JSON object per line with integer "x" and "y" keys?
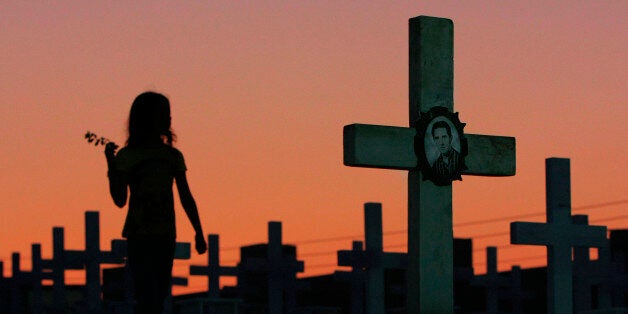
{"x": 356, "y": 259}
{"x": 389, "y": 147}
{"x": 491, "y": 280}
{"x": 534, "y": 233}
{"x": 182, "y": 250}
{"x": 179, "y": 281}
{"x": 361, "y": 259}
{"x": 196, "y": 270}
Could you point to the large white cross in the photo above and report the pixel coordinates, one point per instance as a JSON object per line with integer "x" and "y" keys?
{"x": 559, "y": 235}
{"x": 430, "y": 231}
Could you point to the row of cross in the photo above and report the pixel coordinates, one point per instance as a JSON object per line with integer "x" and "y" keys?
{"x": 63, "y": 259}
{"x": 93, "y": 257}
{"x": 368, "y": 261}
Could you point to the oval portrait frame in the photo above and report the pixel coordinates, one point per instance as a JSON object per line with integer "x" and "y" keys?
{"x": 440, "y": 170}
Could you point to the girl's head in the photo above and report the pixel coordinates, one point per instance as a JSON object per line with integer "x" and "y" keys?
{"x": 149, "y": 120}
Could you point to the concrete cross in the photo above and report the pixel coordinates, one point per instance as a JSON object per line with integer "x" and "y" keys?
{"x": 90, "y": 259}
{"x": 492, "y": 281}
{"x": 213, "y": 270}
{"x": 373, "y": 259}
{"x": 281, "y": 273}
{"x": 516, "y": 290}
{"x": 31, "y": 280}
{"x": 617, "y": 257}
{"x": 587, "y": 274}
{"x": 54, "y": 269}
{"x": 356, "y": 277}
{"x": 430, "y": 231}
{"x": 280, "y": 267}
{"x": 559, "y": 235}
{"x": 19, "y": 279}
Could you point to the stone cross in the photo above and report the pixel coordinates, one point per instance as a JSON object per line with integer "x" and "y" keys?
{"x": 281, "y": 273}
{"x": 90, "y": 259}
{"x": 559, "y": 235}
{"x": 213, "y": 270}
{"x": 586, "y": 273}
{"x": 19, "y": 281}
{"x": 516, "y": 290}
{"x": 430, "y": 231}
{"x": 281, "y": 270}
{"x": 373, "y": 259}
{"x": 31, "y": 279}
{"x": 54, "y": 268}
{"x": 491, "y": 281}
{"x": 356, "y": 276}
{"x": 616, "y": 257}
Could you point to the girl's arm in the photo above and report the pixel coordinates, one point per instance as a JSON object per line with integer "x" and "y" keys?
{"x": 189, "y": 205}
{"x": 117, "y": 182}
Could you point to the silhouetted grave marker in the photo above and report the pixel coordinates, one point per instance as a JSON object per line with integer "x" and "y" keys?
{"x": 356, "y": 277}
{"x": 588, "y": 274}
{"x": 430, "y": 231}
{"x": 213, "y": 271}
{"x": 559, "y": 235}
{"x": 617, "y": 278}
{"x": 54, "y": 269}
{"x": 516, "y": 290}
{"x": 280, "y": 267}
{"x": 492, "y": 281}
{"x": 282, "y": 273}
{"x": 22, "y": 281}
{"x": 604, "y": 278}
{"x": 373, "y": 260}
{"x": 90, "y": 260}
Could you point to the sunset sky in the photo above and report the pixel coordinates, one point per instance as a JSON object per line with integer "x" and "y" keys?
{"x": 260, "y": 92}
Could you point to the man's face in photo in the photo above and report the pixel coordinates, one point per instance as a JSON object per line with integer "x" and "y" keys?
{"x": 442, "y": 140}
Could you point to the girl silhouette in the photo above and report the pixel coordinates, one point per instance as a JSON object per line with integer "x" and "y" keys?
{"x": 148, "y": 165}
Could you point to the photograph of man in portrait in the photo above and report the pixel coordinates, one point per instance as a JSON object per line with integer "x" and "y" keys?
{"x": 442, "y": 148}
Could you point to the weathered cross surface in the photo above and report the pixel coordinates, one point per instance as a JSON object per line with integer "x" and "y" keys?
{"x": 559, "y": 234}
{"x": 430, "y": 231}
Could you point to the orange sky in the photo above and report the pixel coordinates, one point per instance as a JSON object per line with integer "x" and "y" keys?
{"x": 260, "y": 93}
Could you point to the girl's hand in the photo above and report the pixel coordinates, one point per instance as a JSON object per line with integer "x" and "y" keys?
{"x": 201, "y": 245}
{"x": 110, "y": 151}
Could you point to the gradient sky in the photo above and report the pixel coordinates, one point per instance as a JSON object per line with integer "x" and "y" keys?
{"x": 260, "y": 91}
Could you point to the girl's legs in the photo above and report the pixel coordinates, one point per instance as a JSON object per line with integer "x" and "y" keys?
{"x": 150, "y": 260}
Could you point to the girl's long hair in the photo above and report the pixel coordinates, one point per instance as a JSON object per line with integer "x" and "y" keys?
{"x": 149, "y": 120}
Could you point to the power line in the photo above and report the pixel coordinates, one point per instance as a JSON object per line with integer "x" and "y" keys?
{"x": 515, "y": 217}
